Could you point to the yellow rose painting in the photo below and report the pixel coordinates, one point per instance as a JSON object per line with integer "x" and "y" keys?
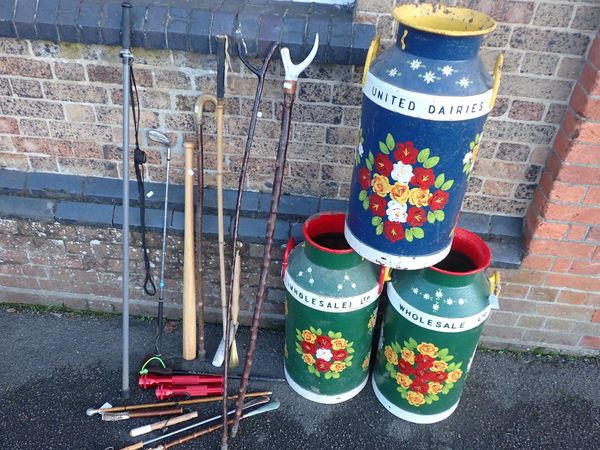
{"x": 390, "y": 355}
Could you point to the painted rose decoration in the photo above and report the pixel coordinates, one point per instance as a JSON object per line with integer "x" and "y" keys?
{"x": 471, "y": 155}
{"x": 323, "y": 354}
{"x": 422, "y": 371}
{"x": 402, "y": 191}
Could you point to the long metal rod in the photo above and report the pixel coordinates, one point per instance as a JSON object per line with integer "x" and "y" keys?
{"x": 127, "y": 61}
{"x": 161, "y": 295}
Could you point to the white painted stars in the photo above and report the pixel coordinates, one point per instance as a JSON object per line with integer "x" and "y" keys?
{"x": 449, "y": 302}
{"x": 464, "y": 82}
{"x": 435, "y": 307}
{"x": 416, "y": 64}
{"x": 311, "y": 281}
{"x": 415, "y": 290}
{"x": 393, "y": 72}
{"x": 447, "y": 70}
{"x": 429, "y": 77}
{"x": 439, "y": 293}
{"x": 339, "y": 287}
{"x": 426, "y": 296}
{"x": 461, "y": 301}
{"x": 353, "y": 285}
{"x": 300, "y": 274}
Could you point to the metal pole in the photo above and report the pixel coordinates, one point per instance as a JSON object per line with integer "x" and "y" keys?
{"x": 127, "y": 60}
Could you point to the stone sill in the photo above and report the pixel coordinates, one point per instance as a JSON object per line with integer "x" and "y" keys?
{"x": 175, "y": 25}
{"x": 97, "y": 202}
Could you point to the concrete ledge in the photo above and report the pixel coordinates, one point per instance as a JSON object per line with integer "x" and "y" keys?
{"x": 192, "y": 26}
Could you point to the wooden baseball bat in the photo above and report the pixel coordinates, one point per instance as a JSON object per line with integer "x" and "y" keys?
{"x": 189, "y": 276}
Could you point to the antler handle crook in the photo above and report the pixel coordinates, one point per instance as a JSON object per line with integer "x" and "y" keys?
{"x": 293, "y": 70}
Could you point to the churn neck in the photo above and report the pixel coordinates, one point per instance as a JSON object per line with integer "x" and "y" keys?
{"x": 321, "y": 234}
{"x": 469, "y": 247}
{"x": 441, "y": 32}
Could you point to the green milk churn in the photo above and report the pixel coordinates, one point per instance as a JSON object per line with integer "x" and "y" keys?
{"x": 430, "y": 332}
{"x": 330, "y": 307}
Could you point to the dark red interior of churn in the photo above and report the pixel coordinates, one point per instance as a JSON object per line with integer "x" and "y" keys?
{"x": 325, "y": 231}
{"x": 469, "y": 254}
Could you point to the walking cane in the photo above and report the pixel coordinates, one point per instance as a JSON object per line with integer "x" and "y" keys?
{"x": 221, "y": 49}
{"x": 160, "y": 138}
{"x": 127, "y": 58}
{"x": 260, "y": 73}
{"x": 289, "y": 92}
{"x": 199, "y": 110}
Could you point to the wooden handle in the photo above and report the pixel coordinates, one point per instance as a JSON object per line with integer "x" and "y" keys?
{"x": 162, "y": 424}
{"x": 237, "y": 274}
{"x": 221, "y": 231}
{"x": 134, "y": 446}
{"x": 189, "y": 276}
{"x": 155, "y": 412}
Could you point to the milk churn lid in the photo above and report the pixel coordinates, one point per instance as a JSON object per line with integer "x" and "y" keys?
{"x": 445, "y": 20}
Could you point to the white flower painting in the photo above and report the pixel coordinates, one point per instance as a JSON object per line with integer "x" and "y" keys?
{"x": 396, "y": 212}
{"x": 402, "y": 172}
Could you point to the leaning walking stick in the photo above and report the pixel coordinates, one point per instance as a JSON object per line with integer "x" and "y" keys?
{"x": 156, "y": 136}
{"x": 221, "y": 48}
{"x": 234, "y": 359}
{"x": 289, "y": 92}
{"x": 199, "y": 110}
{"x": 127, "y": 58}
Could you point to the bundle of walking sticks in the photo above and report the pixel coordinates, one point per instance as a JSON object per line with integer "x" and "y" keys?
{"x": 226, "y": 354}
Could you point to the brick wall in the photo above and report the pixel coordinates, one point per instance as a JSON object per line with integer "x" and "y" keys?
{"x": 60, "y": 112}
{"x": 555, "y": 297}
{"x": 61, "y": 106}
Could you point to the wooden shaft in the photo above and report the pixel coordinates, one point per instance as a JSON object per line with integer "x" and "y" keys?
{"x": 221, "y": 231}
{"x": 197, "y": 434}
{"x": 199, "y": 199}
{"x": 162, "y": 424}
{"x": 180, "y": 402}
{"x": 134, "y": 446}
{"x": 237, "y": 275}
{"x": 286, "y": 117}
{"x": 155, "y": 412}
{"x": 189, "y": 278}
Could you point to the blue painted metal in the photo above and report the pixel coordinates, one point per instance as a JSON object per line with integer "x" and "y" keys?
{"x": 433, "y": 94}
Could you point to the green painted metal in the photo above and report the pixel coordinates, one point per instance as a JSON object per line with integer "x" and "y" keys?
{"x": 331, "y": 306}
{"x": 429, "y": 336}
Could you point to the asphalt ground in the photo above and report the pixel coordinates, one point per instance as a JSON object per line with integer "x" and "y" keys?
{"x": 56, "y": 365}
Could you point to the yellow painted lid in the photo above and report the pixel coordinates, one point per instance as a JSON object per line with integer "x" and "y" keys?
{"x": 445, "y": 20}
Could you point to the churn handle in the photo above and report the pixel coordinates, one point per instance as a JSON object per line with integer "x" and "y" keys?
{"x": 384, "y": 275}
{"x": 497, "y": 75}
{"x": 286, "y": 254}
{"x": 372, "y": 53}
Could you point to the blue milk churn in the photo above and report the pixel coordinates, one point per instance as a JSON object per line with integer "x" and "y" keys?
{"x": 425, "y": 101}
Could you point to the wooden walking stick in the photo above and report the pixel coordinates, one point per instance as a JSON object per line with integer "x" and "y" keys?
{"x": 189, "y": 283}
{"x": 218, "y": 360}
{"x": 289, "y": 92}
{"x": 234, "y": 359}
{"x": 199, "y": 110}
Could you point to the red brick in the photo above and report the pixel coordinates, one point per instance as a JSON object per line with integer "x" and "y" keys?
{"x": 561, "y": 265}
{"x": 9, "y": 125}
{"x": 510, "y": 290}
{"x": 535, "y": 262}
{"x": 584, "y": 283}
{"x": 572, "y": 297}
{"x": 563, "y": 311}
{"x": 572, "y": 213}
{"x": 593, "y": 196}
{"x": 577, "y": 232}
{"x": 519, "y": 306}
{"x": 551, "y": 230}
{"x": 585, "y": 105}
{"x": 502, "y": 332}
{"x": 543, "y": 294}
{"x": 596, "y": 316}
{"x": 580, "y": 174}
{"x": 594, "y": 53}
{"x": 527, "y": 277}
{"x": 546, "y": 183}
{"x": 551, "y": 337}
{"x": 562, "y": 192}
{"x": 592, "y": 342}
{"x": 590, "y": 80}
{"x": 562, "y": 249}
{"x": 585, "y": 267}
{"x": 583, "y": 154}
{"x": 589, "y": 132}
{"x": 594, "y": 234}
{"x": 570, "y": 124}
{"x": 562, "y": 145}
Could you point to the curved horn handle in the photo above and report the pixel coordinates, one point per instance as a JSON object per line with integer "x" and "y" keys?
{"x": 202, "y": 100}
{"x": 293, "y": 70}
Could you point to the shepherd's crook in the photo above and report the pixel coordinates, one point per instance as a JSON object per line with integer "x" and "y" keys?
{"x": 289, "y": 92}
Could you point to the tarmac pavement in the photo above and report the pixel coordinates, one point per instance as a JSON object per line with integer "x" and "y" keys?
{"x": 56, "y": 365}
